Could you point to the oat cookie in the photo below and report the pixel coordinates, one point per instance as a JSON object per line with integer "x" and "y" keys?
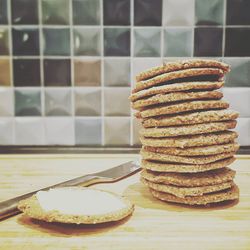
{"x": 196, "y": 151}
{"x": 186, "y": 191}
{"x": 185, "y": 168}
{"x": 176, "y": 96}
{"x": 225, "y": 195}
{"x": 32, "y": 208}
{"x": 147, "y": 155}
{"x": 187, "y": 129}
{"x": 191, "y": 140}
{"x": 190, "y": 118}
{"x": 183, "y": 107}
{"x": 211, "y": 177}
{"x": 180, "y": 76}
{"x": 179, "y": 65}
{"x": 176, "y": 87}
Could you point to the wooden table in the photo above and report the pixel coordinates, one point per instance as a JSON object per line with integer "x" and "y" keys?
{"x": 154, "y": 224}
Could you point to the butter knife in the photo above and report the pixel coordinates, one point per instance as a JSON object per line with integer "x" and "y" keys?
{"x": 9, "y": 207}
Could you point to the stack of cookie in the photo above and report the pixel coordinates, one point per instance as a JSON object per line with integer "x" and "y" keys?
{"x": 187, "y": 142}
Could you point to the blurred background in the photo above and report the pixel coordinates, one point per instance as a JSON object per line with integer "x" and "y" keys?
{"x": 67, "y": 67}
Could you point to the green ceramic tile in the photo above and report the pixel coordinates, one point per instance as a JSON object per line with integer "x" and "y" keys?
{"x": 86, "y": 12}
{"x": 27, "y": 102}
{"x": 178, "y": 42}
{"x": 55, "y": 12}
{"x": 87, "y": 41}
{"x": 4, "y": 41}
{"x": 209, "y": 12}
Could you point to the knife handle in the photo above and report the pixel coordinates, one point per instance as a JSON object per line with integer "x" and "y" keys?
{"x": 9, "y": 207}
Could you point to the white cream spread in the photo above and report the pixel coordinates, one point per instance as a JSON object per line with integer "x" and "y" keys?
{"x": 79, "y": 201}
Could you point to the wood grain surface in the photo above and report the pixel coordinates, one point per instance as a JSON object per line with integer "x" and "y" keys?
{"x": 153, "y": 225}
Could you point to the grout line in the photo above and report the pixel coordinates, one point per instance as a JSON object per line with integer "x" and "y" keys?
{"x": 193, "y": 29}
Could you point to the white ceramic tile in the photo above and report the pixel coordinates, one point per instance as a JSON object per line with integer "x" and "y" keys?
{"x": 239, "y": 100}
{"x": 6, "y": 102}
{"x": 178, "y": 12}
{"x": 116, "y": 102}
{"x": 59, "y": 131}
{"x": 117, "y": 131}
{"x": 243, "y": 129}
{"x": 29, "y": 131}
{"x": 6, "y": 131}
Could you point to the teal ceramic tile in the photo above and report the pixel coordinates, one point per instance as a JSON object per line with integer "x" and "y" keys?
{"x": 88, "y": 101}
{"x": 55, "y": 12}
{"x": 116, "y": 42}
{"x": 178, "y": 13}
{"x": 87, "y": 42}
{"x": 59, "y": 131}
{"x": 116, "y": 102}
{"x": 4, "y": 41}
{"x": 6, "y": 102}
{"x": 117, "y": 72}
{"x": 57, "y": 102}
{"x": 147, "y": 42}
{"x": 29, "y": 131}
{"x": 56, "y": 42}
{"x": 88, "y": 131}
{"x": 209, "y": 12}
{"x": 6, "y": 131}
{"x": 240, "y": 72}
{"x": 178, "y": 42}
{"x": 86, "y": 12}
{"x": 27, "y": 102}
{"x": 3, "y": 12}
{"x": 116, "y": 131}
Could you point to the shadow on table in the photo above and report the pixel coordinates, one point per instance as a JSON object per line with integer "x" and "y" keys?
{"x": 141, "y": 197}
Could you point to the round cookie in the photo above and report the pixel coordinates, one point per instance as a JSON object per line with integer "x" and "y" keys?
{"x": 190, "y": 118}
{"x": 185, "y": 168}
{"x": 191, "y": 140}
{"x": 196, "y": 151}
{"x": 176, "y": 87}
{"x": 225, "y": 195}
{"x": 147, "y": 155}
{"x": 211, "y": 177}
{"x": 176, "y": 96}
{"x": 180, "y": 76}
{"x": 183, "y": 107}
{"x": 179, "y": 65}
{"x": 188, "y": 129}
{"x": 33, "y": 208}
{"x": 187, "y": 191}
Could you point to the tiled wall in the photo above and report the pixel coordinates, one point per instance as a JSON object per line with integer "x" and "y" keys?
{"x": 67, "y": 66}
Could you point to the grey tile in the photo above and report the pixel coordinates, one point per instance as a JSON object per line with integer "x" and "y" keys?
{"x": 178, "y": 13}
{"x": 29, "y": 131}
{"x": 116, "y": 72}
{"x": 27, "y": 102}
{"x": 209, "y": 12}
{"x": 88, "y": 101}
{"x": 57, "y": 102}
{"x": 87, "y": 42}
{"x": 243, "y": 130}
{"x": 56, "y": 42}
{"x": 117, "y": 131}
{"x": 4, "y": 41}
{"x": 3, "y": 12}
{"x": 116, "y": 42}
{"x": 240, "y": 72}
{"x": 136, "y": 127}
{"x": 116, "y": 101}
{"x": 86, "y": 12}
{"x": 88, "y": 131}
{"x": 6, "y": 102}
{"x": 59, "y": 131}
{"x": 147, "y": 42}
{"x": 6, "y": 131}
{"x": 178, "y": 42}
{"x": 55, "y": 12}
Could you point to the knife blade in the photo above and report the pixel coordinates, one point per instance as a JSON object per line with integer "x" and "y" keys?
{"x": 9, "y": 207}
